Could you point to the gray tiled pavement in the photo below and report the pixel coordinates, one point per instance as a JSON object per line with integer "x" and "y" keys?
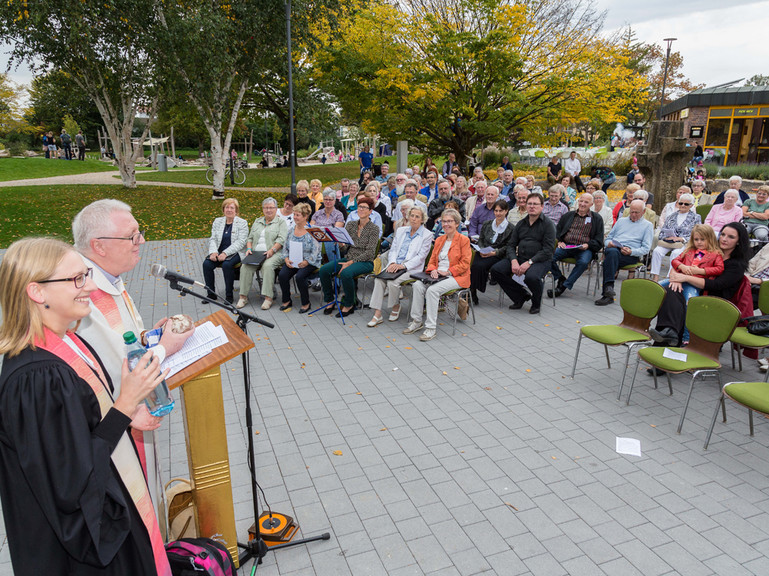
{"x": 478, "y": 454}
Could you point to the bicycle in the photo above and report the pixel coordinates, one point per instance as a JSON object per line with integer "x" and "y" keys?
{"x": 239, "y": 176}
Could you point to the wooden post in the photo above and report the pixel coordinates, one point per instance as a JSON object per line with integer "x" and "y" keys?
{"x": 173, "y": 144}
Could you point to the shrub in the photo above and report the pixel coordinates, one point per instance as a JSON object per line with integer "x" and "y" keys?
{"x": 746, "y": 171}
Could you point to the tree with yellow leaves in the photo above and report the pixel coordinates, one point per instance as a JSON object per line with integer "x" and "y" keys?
{"x": 448, "y": 75}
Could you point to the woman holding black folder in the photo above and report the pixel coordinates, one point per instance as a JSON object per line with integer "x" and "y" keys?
{"x": 449, "y": 269}
{"x": 407, "y": 254}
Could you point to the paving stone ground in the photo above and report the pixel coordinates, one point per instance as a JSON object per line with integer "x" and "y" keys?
{"x": 478, "y": 454}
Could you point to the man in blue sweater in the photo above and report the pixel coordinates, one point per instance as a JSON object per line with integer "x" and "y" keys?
{"x": 628, "y": 241}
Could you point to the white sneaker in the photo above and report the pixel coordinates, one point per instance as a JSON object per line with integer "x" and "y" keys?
{"x": 427, "y": 335}
{"x": 763, "y": 362}
{"x": 242, "y": 301}
{"x": 413, "y": 327}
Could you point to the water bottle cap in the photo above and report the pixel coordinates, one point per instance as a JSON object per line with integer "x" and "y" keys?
{"x": 129, "y": 338}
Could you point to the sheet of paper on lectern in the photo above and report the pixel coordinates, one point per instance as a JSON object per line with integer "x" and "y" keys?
{"x": 205, "y": 338}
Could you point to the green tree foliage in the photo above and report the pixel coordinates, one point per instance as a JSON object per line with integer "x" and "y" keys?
{"x": 757, "y": 80}
{"x": 52, "y": 96}
{"x": 103, "y": 46}
{"x": 451, "y": 74}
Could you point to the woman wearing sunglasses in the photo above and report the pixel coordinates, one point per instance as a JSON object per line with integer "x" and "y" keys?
{"x": 675, "y": 232}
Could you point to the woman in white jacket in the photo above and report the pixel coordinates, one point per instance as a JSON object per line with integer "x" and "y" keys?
{"x": 408, "y": 252}
{"x": 226, "y": 248}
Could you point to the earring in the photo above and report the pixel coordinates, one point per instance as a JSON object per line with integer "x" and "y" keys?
{"x": 46, "y": 306}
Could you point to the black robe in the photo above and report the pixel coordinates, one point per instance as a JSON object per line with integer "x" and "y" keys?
{"x": 66, "y": 509}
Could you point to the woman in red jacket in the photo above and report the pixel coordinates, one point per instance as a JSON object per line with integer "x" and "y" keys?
{"x": 450, "y": 262}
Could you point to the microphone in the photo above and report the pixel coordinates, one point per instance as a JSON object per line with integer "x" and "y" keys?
{"x": 160, "y": 271}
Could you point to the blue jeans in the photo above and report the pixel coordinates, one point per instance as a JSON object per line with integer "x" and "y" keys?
{"x": 583, "y": 258}
{"x": 688, "y": 291}
{"x": 613, "y": 261}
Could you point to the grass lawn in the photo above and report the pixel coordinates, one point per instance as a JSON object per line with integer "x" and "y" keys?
{"x": 40, "y": 167}
{"x": 258, "y": 178}
{"x": 166, "y": 213}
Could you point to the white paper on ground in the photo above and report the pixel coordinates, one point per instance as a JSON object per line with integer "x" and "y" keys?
{"x": 630, "y": 446}
{"x": 671, "y": 355}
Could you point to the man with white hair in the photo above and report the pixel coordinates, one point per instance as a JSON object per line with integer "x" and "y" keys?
{"x": 572, "y": 166}
{"x": 507, "y": 184}
{"x": 108, "y": 238}
{"x": 628, "y": 241}
{"x": 735, "y": 183}
{"x": 435, "y": 208}
{"x": 400, "y": 184}
{"x": 649, "y": 214}
{"x": 517, "y": 203}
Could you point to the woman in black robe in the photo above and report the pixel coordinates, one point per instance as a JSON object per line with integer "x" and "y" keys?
{"x": 75, "y": 501}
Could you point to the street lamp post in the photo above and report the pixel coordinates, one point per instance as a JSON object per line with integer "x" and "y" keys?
{"x": 292, "y": 153}
{"x": 664, "y": 76}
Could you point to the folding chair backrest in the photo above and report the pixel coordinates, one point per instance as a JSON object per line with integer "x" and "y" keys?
{"x": 763, "y": 298}
{"x": 710, "y": 321}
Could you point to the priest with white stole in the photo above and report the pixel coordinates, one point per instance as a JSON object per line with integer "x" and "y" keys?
{"x": 108, "y": 238}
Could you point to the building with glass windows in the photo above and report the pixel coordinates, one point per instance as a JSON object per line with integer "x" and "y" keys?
{"x": 731, "y": 124}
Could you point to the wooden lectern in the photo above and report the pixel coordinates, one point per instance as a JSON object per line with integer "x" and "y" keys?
{"x": 206, "y": 436}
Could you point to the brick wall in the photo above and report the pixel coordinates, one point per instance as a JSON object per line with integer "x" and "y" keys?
{"x": 697, "y": 117}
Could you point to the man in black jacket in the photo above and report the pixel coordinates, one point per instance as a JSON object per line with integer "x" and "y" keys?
{"x": 580, "y": 236}
{"x": 531, "y": 252}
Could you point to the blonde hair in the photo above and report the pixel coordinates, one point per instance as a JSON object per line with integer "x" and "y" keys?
{"x": 708, "y": 234}
{"x": 26, "y": 260}
{"x": 315, "y": 181}
{"x": 303, "y": 184}
{"x": 229, "y": 201}
{"x": 303, "y": 208}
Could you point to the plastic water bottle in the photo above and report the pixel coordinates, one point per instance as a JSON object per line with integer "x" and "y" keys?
{"x": 159, "y": 401}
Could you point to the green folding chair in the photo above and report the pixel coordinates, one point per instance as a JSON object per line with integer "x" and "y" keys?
{"x": 741, "y": 338}
{"x": 711, "y": 321}
{"x": 752, "y": 395}
{"x": 640, "y": 301}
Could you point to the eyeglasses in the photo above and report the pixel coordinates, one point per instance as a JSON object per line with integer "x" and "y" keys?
{"x": 79, "y": 280}
{"x": 684, "y": 203}
{"x": 135, "y": 238}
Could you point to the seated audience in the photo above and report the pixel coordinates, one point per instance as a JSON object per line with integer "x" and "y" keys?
{"x": 600, "y": 207}
{"x": 410, "y": 193}
{"x": 554, "y": 170}
{"x": 494, "y": 234}
{"x": 226, "y": 248}
{"x": 554, "y": 208}
{"x": 408, "y": 253}
{"x": 628, "y": 241}
{"x": 672, "y": 207}
{"x": 530, "y": 253}
{"x": 675, "y": 232}
{"x": 287, "y": 212}
{"x": 450, "y": 261}
{"x": 478, "y": 198}
{"x": 698, "y": 191}
{"x": 484, "y": 212}
{"x": 311, "y": 258}
{"x": 649, "y": 214}
{"x": 735, "y": 183}
{"x": 518, "y": 210}
{"x": 570, "y": 197}
{"x": 580, "y": 236}
{"x": 268, "y": 235}
{"x": 755, "y": 216}
{"x": 359, "y": 259}
{"x": 302, "y": 194}
{"x": 435, "y": 208}
{"x": 727, "y": 211}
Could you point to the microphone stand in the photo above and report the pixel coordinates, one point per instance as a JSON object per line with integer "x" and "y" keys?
{"x": 256, "y": 547}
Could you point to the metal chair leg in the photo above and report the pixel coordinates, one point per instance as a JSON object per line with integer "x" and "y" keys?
{"x": 750, "y": 420}
{"x": 624, "y": 371}
{"x": 739, "y": 357}
{"x": 654, "y": 373}
{"x": 632, "y": 382}
{"x": 606, "y": 351}
{"x": 670, "y": 384}
{"x": 713, "y": 421}
{"x": 576, "y": 354}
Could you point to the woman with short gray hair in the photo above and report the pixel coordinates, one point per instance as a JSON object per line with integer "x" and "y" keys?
{"x": 267, "y": 237}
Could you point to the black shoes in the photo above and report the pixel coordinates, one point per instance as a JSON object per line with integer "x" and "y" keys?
{"x": 329, "y": 309}
{"x": 474, "y": 296}
{"x": 534, "y": 310}
{"x": 343, "y": 314}
{"x": 607, "y": 298}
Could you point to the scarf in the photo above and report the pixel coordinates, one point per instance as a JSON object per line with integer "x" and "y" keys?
{"x": 124, "y": 456}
